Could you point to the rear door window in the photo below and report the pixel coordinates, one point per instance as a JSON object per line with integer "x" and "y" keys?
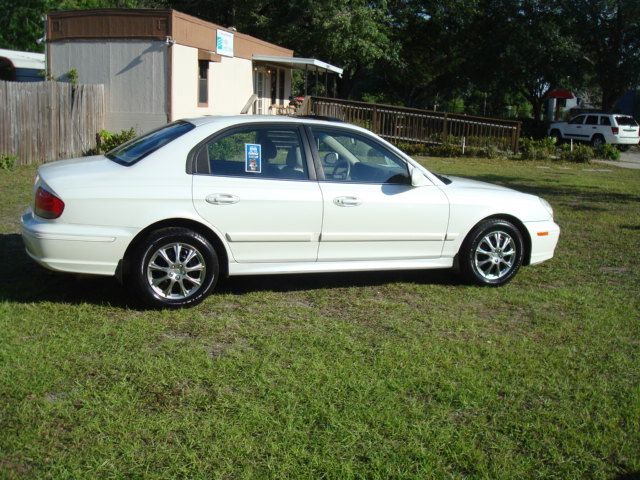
{"x": 592, "y": 120}
{"x": 255, "y": 152}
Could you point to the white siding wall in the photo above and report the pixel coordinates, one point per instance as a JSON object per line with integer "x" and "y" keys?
{"x": 230, "y": 84}
{"x": 134, "y": 73}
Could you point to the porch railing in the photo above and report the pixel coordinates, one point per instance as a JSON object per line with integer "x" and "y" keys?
{"x": 402, "y": 124}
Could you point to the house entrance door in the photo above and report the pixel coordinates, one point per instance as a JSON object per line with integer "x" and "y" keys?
{"x": 259, "y": 90}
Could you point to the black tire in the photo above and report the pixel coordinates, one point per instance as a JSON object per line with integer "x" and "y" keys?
{"x": 181, "y": 287}
{"x": 557, "y": 135}
{"x": 624, "y": 148}
{"x": 597, "y": 141}
{"x": 469, "y": 258}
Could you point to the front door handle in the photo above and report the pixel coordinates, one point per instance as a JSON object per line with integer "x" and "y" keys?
{"x": 222, "y": 199}
{"x": 347, "y": 201}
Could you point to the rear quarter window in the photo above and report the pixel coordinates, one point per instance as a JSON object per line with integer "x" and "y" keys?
{"x": 626, "y": 121}
{"x": 138, "y": 148}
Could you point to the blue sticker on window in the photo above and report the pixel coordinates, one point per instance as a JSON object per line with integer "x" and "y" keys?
{"x": 252, "y": 158}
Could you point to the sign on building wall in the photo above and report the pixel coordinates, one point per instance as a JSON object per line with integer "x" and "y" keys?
{"x": 224, "y": 43}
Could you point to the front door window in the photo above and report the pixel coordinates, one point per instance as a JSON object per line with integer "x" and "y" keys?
{"x": 349, "y": 157}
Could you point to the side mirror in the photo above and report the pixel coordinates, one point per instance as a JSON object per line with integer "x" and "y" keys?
{"x": 331, "y": 158}
{"x": 417, "y": 178}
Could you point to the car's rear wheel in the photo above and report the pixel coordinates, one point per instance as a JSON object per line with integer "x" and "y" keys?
{"x": 173, "y": 267}
{"x": 492, "y": 253}
{"x": 597, "y": 141}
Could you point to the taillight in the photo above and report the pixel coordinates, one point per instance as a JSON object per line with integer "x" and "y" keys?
{"x": 615, "y": 130}
{"x": 47, "y": 205}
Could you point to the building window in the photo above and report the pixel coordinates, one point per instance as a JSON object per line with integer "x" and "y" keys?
{"x": 203, "y": 83}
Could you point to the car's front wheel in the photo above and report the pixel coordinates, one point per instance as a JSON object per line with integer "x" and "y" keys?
{"x": 492, "y": 253}
{"x": 173, "y": 267}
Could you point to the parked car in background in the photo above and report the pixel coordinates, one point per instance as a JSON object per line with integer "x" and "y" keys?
{"x": 174, "y": 210}
{"x": 598, "y": 129}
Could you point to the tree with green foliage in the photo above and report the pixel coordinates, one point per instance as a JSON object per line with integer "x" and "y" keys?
{"x": 608, "y": 32}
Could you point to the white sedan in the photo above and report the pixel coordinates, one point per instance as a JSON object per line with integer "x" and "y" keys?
{"x": 174, "y": 210}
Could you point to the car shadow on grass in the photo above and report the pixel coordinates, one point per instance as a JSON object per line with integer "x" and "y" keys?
{"x": 319, "y": 281}
{"x": 25, "y": 281}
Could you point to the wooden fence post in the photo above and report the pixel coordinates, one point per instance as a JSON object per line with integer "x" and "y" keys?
{"x": 374, "y": 119}
{"x": 516, "y": 139}
{"x": 445, "y": 128}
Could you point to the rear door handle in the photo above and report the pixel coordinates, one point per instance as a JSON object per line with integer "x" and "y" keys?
{"x": 222, "y": 199}
{"x": 347, "y": 201}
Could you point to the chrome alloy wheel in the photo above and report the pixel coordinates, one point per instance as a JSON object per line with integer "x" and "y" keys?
{"x": 495, "y": 255}
{"x": 176, "y": 271}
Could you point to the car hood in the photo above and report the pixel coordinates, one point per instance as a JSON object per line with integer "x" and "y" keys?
{"x": 461, "y": 182}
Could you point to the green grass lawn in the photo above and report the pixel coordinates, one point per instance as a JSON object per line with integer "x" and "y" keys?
{"x": 383, "y": 375}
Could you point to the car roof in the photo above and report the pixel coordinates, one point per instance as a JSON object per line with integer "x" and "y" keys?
{"x": 241, "y": 119}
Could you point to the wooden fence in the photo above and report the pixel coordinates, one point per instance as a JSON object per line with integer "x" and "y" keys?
{"x": 45, "y": 121}
{"x": 401, "y": 124}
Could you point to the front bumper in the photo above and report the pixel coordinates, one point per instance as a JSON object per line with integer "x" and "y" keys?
{"x": 63, "y": 247}
{"x": 544, "y": 238}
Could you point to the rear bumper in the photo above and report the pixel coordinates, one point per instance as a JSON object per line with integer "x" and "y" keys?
{"x": 544, "y": 238}
{"x": 62, "y": 247}
{"x": 617, "y": 140}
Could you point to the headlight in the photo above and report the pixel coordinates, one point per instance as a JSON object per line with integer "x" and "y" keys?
{"x": 547, "y": 206}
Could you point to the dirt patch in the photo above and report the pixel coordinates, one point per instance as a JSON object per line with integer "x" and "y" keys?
{"x": 614, "y": 270}
{"x": 219, "y": 349}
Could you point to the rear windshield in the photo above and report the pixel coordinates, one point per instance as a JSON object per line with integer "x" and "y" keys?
{"x": 626, "y": 121}
{"x": 138, "y": 148}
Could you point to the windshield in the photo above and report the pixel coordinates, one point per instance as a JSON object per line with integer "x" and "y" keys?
{"x": 626, "y": 121}
{"x": 138, "y": 148}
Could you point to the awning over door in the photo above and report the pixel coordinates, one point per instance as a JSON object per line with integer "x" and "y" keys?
{"x": 309, "y": 64}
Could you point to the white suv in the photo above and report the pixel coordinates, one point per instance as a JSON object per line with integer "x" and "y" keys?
{"x": 597, "y": 129}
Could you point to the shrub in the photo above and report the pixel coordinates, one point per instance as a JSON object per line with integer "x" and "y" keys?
{"x": 108, "y": 140}
{"x": 413, "y": 148}
{"x": 445, "y": 150}
{"x": 7, "y": 162}
{"x": 607, "y": 151}
{"x": 580, "y": 154}
{"x": 542, "y": 149}
{"x": 489, "y": 151}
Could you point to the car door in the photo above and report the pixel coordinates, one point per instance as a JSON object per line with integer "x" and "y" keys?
{"x": 575, "y": 128}
{"x": 254, "y": 185}
{"x": 590, "y": 127}
{"x": 371, "y": 211}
